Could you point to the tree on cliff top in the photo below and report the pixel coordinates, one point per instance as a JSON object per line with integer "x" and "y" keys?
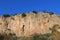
{"x": 6, "y": 15}
{"x": 51, "y": 13}
{"x": 34, "y": 12}
{"x": 23, "y": 15}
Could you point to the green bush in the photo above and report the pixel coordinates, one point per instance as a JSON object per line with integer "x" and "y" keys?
{"x": 34, "y": 12}
{"x": 13, "y": 36}
{"x": 40, "y": 36}
{"x": 1, "y": 37}
{"x": 51, "y": 13}
{"x": 6, "y": 15}
{"x": 23, "y": 15}
{"x": 36, "y": 37}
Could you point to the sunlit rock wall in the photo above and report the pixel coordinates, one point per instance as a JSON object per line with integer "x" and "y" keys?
{"x": 28, "y": 25}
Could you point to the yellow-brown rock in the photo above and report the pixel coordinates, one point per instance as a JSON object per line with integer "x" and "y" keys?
{"x": 30, "y": 24}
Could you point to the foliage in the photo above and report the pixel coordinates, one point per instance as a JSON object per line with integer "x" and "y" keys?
{"x": 55, "y": 33}
{"x": 40, "y": 36}
{"x": 36, "y": 37}
{"x": 34, "y": 12}
{"x": 10, "y": 36}
{"x": 23, "y": 15}
{"x": 54, "y": 28}
{"x": 1, "y": 37}
{"x": 13, "y": 36}
{"x": 51, "y": 37}
{"x": 6, "y": 15}
{"x": 51, "y": 13}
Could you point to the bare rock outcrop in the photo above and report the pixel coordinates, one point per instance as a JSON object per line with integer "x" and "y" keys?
{"x": 29, "y": 23}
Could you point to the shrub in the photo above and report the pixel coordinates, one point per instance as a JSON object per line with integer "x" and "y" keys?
{"x": 1, "y": 37}
{"x": 13, "y": 36}
{"x": 34, "y": 12}
{"x": 51, "y": 13}
{"x": 6, "y": 15}
{"x": 36, "y": 37}
{"x": 23, "y": 15}
{"x": 40, "y": 37}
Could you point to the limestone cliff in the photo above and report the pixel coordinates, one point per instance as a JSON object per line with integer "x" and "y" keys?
{"x": 25, "y": 25}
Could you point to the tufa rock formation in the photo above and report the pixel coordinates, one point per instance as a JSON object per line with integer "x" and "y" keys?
{"x": 28, "y": 24}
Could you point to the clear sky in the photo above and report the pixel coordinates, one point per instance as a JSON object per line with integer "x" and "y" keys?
{"x": 18, "y": 6}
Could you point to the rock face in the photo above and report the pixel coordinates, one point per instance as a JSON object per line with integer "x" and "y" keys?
{"x": 25, "y": 25}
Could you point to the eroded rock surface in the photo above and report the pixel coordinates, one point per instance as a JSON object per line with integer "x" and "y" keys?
{"x": 29, "y": 24}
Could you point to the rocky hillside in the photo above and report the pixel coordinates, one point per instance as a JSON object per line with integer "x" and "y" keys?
{"x": 29, "y": 23}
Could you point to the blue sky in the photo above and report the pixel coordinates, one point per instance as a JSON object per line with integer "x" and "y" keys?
{"x": 20, "y": 6}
